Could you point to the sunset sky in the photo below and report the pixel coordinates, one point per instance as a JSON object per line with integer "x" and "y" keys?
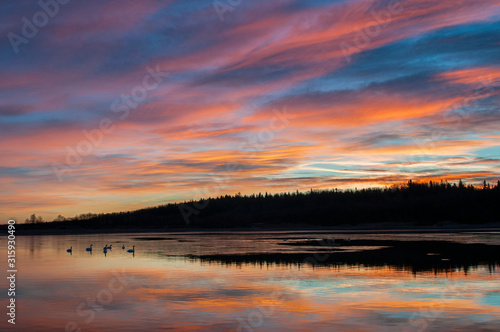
{"x": 117, "y": 105}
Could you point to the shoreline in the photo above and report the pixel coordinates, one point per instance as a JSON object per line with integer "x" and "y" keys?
{"x": 364, "y": 228}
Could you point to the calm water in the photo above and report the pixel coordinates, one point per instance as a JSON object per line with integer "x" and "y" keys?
{"x": 160, "y": 287}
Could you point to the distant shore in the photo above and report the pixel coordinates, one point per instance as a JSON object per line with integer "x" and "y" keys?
{"x": 413, "y": 206}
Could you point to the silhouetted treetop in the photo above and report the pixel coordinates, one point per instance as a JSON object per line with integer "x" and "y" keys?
{"x": 423, "y": 203}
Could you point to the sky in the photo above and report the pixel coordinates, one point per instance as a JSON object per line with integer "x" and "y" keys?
{"x": 118, "y": 105}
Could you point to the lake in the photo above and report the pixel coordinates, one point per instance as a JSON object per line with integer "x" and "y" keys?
{"x": 258, "y": 281}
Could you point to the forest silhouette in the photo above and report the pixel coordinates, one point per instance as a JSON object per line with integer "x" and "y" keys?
{"x": 412, "y": 203}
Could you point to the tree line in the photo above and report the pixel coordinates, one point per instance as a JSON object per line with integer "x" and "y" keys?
{"x": 416, "y": 203}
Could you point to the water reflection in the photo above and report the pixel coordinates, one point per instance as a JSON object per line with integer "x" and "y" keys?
{"x": 414, "y": 256}
{"x": 254, "y": 282}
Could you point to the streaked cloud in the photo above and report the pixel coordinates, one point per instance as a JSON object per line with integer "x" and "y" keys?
{"x": 414, "y": 96}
